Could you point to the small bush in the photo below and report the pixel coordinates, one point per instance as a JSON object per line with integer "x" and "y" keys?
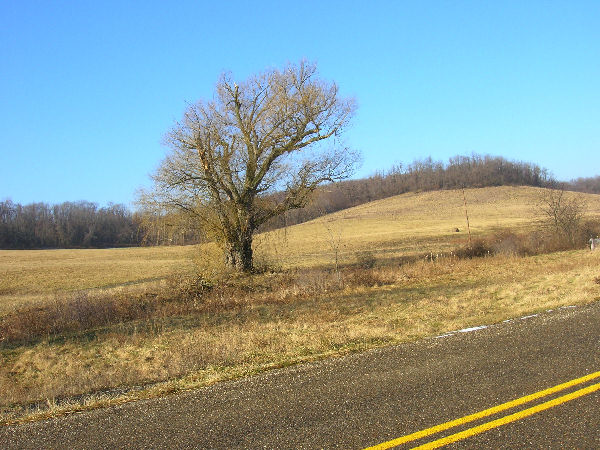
{"x": 589, "y": 229}
{"x": 263, "y": 265}
{"x": 368, "y": 277}
{"x": 188, "y": 287}
{"x": 509, "y": 243}
{"x": 365, "y": 260}
{"x": 527, "y": 244}
{"x": 478, "y": 249}
{"x": 77, "y": 312}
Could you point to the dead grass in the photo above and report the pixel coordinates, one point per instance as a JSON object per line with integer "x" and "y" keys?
{"x": 406, "y": 225}
{"x": 86, "y": 328}
{"x": 30, "y": 277}
{"x": 409, "y": 224}
{"x": 35, "y": 271}
{"x": 283, "y": 319}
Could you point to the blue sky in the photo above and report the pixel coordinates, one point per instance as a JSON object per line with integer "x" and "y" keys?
{"x": 88, "y": 88}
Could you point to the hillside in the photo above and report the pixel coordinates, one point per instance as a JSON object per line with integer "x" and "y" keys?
{"x": 409, "y": 224}
{"x": 76, "y": 323}
{"x": 404, "y": 225}
{"x": 86, "y": 225}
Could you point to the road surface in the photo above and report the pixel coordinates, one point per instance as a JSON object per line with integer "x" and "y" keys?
{"x": 375, "y": 397}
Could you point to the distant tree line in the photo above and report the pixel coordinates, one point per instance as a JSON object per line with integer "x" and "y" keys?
{"x": 589, "y": 185}
{"x": 66, "y": 225}
{"x": 85, "y": 225}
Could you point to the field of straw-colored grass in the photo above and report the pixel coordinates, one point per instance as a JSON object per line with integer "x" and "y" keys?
{"x": 274, "y": 319}
{"x": 409, "y": 224}
{"x": 31, "y": 276}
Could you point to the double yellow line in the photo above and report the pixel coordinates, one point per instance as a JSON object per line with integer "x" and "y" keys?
{"x": 494, "y": 410}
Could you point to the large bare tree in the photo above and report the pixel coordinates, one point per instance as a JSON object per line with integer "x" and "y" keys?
{"x": 256, "y": 150}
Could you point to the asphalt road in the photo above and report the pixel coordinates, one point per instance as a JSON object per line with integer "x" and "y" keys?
{"x": 369, "y": 398}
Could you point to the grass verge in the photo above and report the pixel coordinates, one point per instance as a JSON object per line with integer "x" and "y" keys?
{"x": 247, "y": 326}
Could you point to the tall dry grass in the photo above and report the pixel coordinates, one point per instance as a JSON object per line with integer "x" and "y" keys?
{"x": 240, "y": 325}
{"x": 85, "y": 327}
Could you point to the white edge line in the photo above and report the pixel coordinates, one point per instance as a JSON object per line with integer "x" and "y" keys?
{"x": 468, "y": 330}
{"x": 481, "y": 327}
{"x": 529, "y": 317}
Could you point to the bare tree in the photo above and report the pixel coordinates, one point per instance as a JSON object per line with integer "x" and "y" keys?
{"x": 334, "y": 239}
{"x": 563, "y": 213}
{"x": 255, "y": 138}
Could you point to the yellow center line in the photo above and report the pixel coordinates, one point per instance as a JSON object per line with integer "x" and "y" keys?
{"x": 510, "y": 418}
{"x": 484, "y": 413}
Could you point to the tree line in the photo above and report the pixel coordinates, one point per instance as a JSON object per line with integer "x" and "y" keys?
{"x": 590, "y": 185}
{"x": 85, "y": 225}
{"x": 66, "y": 225}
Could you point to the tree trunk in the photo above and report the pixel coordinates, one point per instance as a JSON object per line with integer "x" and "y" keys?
{"x": 239, "y": 253}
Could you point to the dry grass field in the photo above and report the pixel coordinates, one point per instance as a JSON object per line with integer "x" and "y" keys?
{"x": 31, "y": 276}
{"x": 408, "y": 224}
{"x": 107, "y": 326}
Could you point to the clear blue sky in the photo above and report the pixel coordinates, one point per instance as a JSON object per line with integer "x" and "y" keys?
{"x": 88, "y": 88}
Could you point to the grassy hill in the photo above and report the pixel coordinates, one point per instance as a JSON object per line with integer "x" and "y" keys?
{"x": 77, "y": 324}
{"x": 409, "y": 224}
{"x": 404, "y": 225}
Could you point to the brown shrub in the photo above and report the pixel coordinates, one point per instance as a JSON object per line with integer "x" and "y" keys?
{"x": 368, "y": 277}
{"x": 527, "y": 244}
{"x": 191, "y": 287}
{"x": 310, "y": 282}
{"x": 478, "y": 249}
{"x": 78, "y": 312}
{"x": 366, "y": 259}
{"x": 589, "y": 229}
